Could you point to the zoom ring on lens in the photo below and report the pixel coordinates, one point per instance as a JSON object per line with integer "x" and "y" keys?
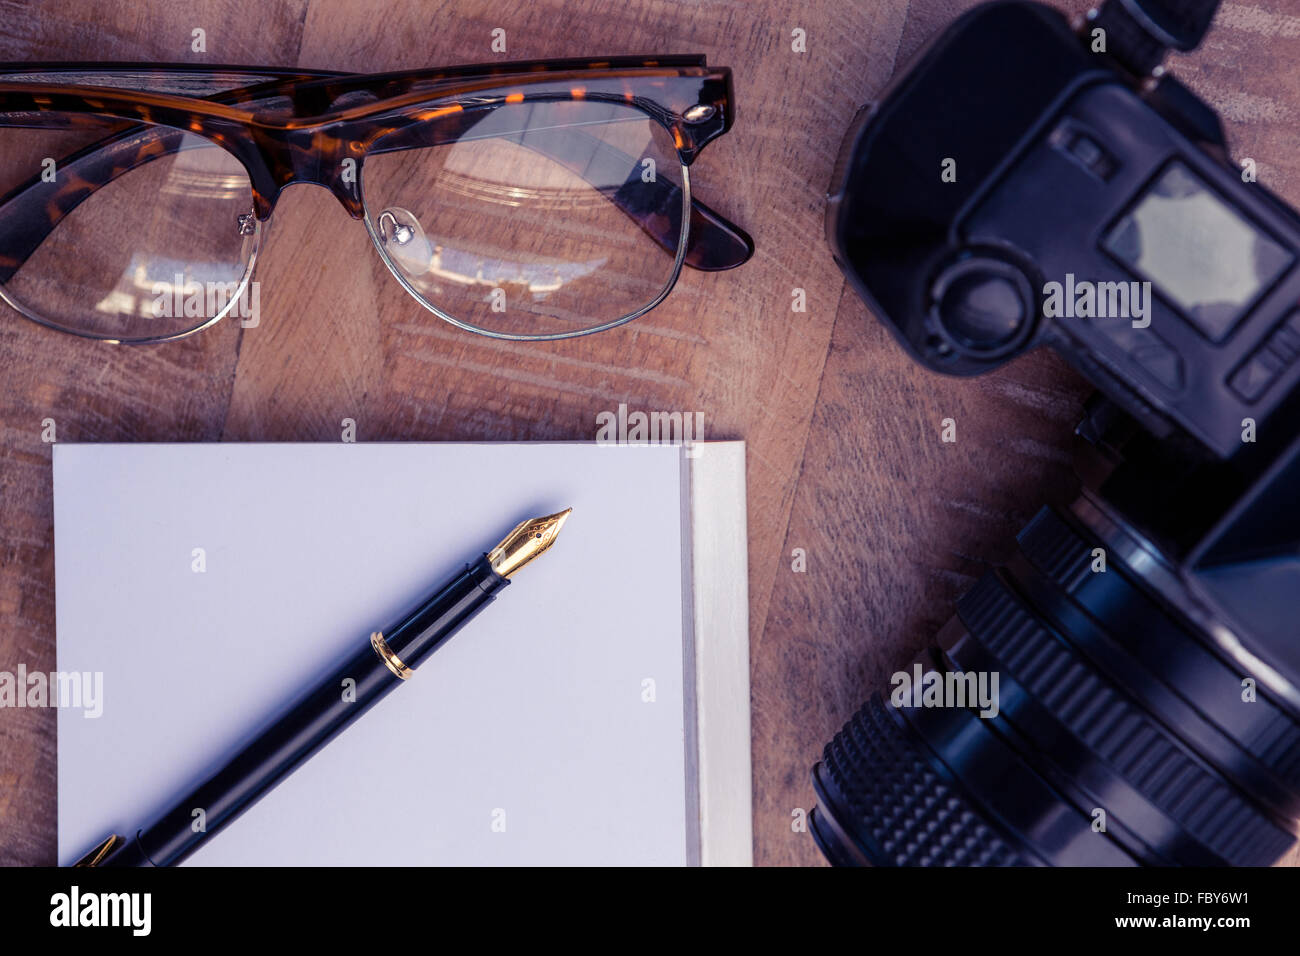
{"x": 1113, "y": 728}
{"x": 1062, "y": 555}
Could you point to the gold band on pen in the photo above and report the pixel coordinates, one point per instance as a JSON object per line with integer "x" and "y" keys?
{"x": 391, "y": 660}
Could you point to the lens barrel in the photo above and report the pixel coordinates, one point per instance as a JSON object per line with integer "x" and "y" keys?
{"x": 1123, "y": 735}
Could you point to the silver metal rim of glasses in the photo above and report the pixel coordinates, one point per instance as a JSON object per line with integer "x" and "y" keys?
{"x": 679, "y": 259}
{"x": 550, "y": 336}
{"x": 148, "y": 339}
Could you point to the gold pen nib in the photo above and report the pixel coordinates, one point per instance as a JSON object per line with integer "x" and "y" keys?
{"x": 529, "y": 539}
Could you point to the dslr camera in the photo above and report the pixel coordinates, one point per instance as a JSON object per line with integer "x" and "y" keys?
{"x": 1029, "y": 182}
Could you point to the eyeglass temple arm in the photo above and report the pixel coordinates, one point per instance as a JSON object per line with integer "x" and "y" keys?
{"x": 29, "y": 214}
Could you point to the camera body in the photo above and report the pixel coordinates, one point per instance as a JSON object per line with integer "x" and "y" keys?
{"x": 1019, "y": 186}
{"x": 1016, "y": 189}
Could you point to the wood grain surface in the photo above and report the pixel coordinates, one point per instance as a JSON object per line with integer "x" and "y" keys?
{"x": 844, "y": 456}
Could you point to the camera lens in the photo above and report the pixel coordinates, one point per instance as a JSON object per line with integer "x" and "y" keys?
{"x": 1121, "y": 730}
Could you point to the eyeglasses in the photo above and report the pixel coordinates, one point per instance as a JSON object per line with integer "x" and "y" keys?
{"x": 527, "y": 200}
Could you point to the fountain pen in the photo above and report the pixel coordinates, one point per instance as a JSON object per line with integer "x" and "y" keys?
{"x": 375, "y": 669}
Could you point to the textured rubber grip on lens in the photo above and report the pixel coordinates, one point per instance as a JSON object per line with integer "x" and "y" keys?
{"x": 1114, "y": 728}
{"x": 898, "y": 801}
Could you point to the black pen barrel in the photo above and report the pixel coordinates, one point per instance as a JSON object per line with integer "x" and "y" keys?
{"x": 349, "y": 691}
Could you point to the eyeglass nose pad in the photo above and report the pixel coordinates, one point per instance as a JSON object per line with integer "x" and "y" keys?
{"x": 404, "y": 240}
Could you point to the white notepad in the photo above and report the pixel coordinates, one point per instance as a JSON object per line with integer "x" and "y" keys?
{"x": 596, "y": 713}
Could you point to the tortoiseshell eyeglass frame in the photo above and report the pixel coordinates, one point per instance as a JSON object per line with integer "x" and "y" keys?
{"x": 290, "y": 126}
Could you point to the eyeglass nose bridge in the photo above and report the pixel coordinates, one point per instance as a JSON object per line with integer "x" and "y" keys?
{"x": 316, "y": 157}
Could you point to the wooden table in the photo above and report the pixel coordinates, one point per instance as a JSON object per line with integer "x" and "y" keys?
{"x": 844, "y": 456}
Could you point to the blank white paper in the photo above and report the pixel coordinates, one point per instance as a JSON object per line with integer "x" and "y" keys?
{"x": 532, "y": 737}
